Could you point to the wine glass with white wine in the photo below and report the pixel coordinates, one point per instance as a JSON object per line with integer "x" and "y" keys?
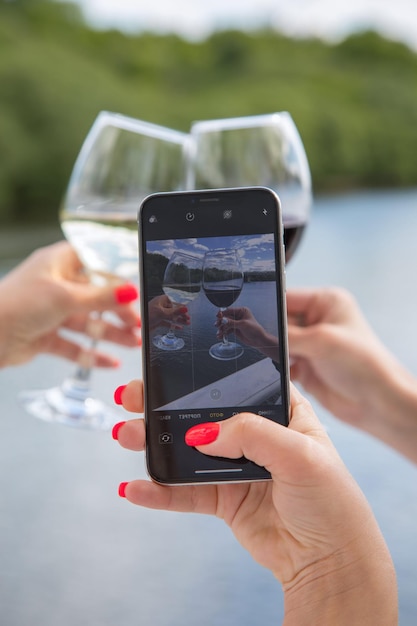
{"x": 181, "y": 284}
{"x": 122, "y": 160}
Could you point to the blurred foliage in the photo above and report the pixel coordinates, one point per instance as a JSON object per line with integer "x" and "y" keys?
{"x": 354, "y": 103}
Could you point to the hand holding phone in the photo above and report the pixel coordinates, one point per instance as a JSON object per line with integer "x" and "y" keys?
{"x": 216, "y": 260}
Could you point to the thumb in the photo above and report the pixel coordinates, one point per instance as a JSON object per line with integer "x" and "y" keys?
{"x": 266, "y": 443}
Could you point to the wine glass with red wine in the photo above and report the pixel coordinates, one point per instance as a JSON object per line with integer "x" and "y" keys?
{"x": 259, "y": 150}
{"x": 222, "y": 284}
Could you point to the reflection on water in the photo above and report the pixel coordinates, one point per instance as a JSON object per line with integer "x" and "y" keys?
{"x": 77, "y": 553}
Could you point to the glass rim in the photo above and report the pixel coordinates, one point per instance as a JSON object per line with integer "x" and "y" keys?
{"x": 136, "y": 125}
{"x": 247, "y": 121}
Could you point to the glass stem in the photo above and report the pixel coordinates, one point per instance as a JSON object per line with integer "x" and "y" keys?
{"x": 79, "y": 384}
{"x": 225, "y": 337}
{"x": 171, "y": 331}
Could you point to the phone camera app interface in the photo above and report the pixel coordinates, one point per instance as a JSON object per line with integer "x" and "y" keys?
{"x": 213, "y": 324}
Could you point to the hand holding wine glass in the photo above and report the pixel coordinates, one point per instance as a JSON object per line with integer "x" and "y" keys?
{"x": 121, "y": 161}
{"x": 163, "y": 312}
{"x": 222, "y": 284}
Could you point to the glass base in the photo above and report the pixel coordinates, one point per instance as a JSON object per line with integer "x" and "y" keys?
{"x": 71, "y": 404}
{"x": 226, "y": 351}
{"x": 165, "y": 342}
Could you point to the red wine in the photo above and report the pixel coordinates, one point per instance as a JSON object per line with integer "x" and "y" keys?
{"x": 223, "y": 296}
{"x": 293, "y": 232}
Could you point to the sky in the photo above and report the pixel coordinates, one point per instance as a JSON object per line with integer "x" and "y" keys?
{"x": 256, "y": 252}
{"x": 195, "y": 19}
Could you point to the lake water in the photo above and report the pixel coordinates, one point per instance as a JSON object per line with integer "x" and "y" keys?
{"x": 192, "y": 367}
{"x": 72, "y": 552}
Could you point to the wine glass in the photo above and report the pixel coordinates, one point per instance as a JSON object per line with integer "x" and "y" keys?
{"x": 182, "y": 284}
{"x": 222, "y": 284}
{"x": 121, "y": 161}
{"x": 259, "y": 150}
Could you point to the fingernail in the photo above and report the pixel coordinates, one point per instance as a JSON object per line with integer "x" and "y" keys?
{"x": 118, "y": 394}
{"x": 183, "y": 309}
{"x": 202, "y": 434}
{"x": 115, "y": 430}
{"x": 126, "y": 293}
{"x": 122, "y": 489}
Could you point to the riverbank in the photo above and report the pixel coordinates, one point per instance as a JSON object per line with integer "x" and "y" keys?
{"x": 16, "y": 242}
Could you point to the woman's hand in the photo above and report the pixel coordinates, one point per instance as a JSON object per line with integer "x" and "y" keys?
{"x": 242, "y": 322}
{"x": 163, "y": 312}
{"x": 310, "y": 525}
{"x": 49, "y": 292}
{"x": 337, "y": 357}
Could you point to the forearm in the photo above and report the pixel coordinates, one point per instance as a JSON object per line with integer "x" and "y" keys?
{"x": 6, "y": 330}
{"x": 393, "y": 412}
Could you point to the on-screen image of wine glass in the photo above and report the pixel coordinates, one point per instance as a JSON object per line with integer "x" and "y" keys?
{"x": 258, "y": 150}
{"x": 121, "y": 161}
{"x": 222, "y": 284}
{"x": 182, "y": 284}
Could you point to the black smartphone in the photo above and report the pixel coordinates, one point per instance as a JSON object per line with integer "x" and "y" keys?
{"x": 213, "y": 324}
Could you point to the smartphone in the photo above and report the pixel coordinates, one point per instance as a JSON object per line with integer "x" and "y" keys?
{"x": 213, "y": 324}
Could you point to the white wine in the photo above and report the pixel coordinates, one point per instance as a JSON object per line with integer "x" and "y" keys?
{"x": 107, "y": 244}
{"x": 181, "y": 294}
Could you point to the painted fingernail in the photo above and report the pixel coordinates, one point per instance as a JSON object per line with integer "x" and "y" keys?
{"x": 202, "y": 434}
{"x": 118, "y": 394}
{"x": 122, "y": 489}
{"x": 126, "y": 293}
{"x": 115, "y": 430}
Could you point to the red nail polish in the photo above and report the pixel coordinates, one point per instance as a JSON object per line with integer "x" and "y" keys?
{"x": 118, "y": 394}
{"x": 116, "y": 428}
{"x": 125, "y": 293}
{"x": 202, "y": 434}
{"x": 122, "y": 489}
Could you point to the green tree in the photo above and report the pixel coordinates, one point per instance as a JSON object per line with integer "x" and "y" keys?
{"x": 354, "y": 102}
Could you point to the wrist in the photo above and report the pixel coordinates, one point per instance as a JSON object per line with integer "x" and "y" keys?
{"x": 269, "y": 346}
{"x": 358, "y": 588}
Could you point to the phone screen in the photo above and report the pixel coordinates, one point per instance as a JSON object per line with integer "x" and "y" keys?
{"x": 213, "y": 321}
